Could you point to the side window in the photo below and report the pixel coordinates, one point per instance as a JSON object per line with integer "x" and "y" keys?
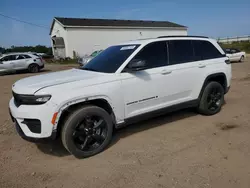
{"x": 227, "y": 51}
{"x": 236, "y": 51}
{"x": 9, "y": 58}
{"x": 180, "y": 51}
{"x": 18, "y": 57}
{"x": 205, "y": 50}
{"x": 155, "y": 54}
{"x": 26, "y": 56}
{"x": 233, "y": 51}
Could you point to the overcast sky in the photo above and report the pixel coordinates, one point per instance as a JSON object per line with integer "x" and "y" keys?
{"x": 214, "y": 18}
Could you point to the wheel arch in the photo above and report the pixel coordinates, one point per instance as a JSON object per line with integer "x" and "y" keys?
{"x": 66, "y": 109}
{"x": 218, "y": 77}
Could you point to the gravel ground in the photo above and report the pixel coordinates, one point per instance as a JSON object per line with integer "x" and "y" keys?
{"x": 181, "y": 149}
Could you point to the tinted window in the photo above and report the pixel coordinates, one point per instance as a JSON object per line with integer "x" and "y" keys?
{"x": 9, "y": 58}
{"x": 26, "y": 56}
{"x": 235, "y": 50}
{"x": 205, "y": 50}
{"x": 154, "y": 54}
{"x": 110, "y": 59}
{"x": 18, "y": 57}
{"x": 180, "y": 51}
{"x": 228, "y": 51}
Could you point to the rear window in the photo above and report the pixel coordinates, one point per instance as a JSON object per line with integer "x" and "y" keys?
{"x": 205, "y": 50}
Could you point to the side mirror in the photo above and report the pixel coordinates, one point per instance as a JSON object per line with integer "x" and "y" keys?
{"x": 136, "y": 65}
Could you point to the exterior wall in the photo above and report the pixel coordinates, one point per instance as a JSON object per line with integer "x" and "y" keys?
{"x": 59, "y": 31}
{"x": 86, "y": 40}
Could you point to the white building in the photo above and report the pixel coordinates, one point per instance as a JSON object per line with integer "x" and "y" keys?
{"x": 73, "y": 37}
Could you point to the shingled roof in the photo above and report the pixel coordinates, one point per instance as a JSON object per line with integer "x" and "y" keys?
{"x": 87, "y": 22}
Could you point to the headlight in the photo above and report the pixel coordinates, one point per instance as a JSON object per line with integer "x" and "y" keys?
{"x": 42, "y": 99}
{"x": 30, "y": 99}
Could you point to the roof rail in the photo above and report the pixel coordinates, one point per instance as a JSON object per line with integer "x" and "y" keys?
{"x": 181, "y": 36}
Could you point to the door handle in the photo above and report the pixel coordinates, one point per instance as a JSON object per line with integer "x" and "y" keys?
{"x": 202, "y": 66}
{"x": 166, "y": 72}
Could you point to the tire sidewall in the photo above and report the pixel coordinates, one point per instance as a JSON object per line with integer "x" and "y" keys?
{"x": 203, "y": 107}
{"x": 242, "y": 59}
{"x": 31, "y": 66}
{"x": 71, "y": 123}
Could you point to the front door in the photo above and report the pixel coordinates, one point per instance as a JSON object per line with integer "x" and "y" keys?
{"x": 143, "y": 89}
{"x": 6, "y": 63}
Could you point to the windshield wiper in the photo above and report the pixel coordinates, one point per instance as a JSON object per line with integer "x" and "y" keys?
{"x": 89, "y": 69}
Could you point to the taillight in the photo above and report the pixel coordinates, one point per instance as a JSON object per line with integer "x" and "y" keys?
{"x": 40, "y": 59}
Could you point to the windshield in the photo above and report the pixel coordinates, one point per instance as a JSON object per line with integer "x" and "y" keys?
{"x": 111, "y": 59}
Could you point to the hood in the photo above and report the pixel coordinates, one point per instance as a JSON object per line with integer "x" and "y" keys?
{"x": 32, "y": 84}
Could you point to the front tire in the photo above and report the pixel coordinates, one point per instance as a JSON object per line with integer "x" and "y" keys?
{"x": 212, "y": 99}
{"x": 87, "y": 131}
{"x": 242, "y": 58}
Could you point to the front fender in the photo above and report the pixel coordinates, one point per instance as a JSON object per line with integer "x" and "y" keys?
{"x": 68, "y": 103}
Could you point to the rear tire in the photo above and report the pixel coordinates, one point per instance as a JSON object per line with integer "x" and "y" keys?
{"x": 87, "y": 131}
{"x": 212, "y": 99}
{"x": 33, "y": 68}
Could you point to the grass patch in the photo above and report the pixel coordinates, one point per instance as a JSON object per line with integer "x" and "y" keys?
{"x": 241, "y": 45}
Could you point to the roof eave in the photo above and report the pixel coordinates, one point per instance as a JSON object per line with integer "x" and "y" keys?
{"x": 125, "y": 27}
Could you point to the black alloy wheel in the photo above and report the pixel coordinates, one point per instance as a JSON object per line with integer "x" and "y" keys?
{"x": 87, "y": 131}
{"x": 33, "y": 68}
{"x": 90, "y": 133}
{"x": 214, "y": 99}
{"x": 211, "y": 99}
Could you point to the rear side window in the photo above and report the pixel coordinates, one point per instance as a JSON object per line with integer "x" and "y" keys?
{"x": 26, "y": 56}
{"x": 180, "y": 51}
{"x": 155, "y": 54}
{"x": 205, "y": 50}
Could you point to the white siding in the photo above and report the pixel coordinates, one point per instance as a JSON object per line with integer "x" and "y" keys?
{"x": 86, "y": 40}
{"x": 58, "y": 31}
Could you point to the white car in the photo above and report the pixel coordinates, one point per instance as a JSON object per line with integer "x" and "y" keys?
{"x": 21, "y": 61}
{"x": 123, "y": 84}
{"x": 235, "y": 55}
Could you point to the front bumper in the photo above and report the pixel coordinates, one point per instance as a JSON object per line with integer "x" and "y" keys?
{"x": 33, "y": 122}
{"x": 228, "y": 88}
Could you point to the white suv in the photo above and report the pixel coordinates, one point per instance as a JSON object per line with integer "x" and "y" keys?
{"x": 125, "y": 82}
{"x": 21, "y": 61}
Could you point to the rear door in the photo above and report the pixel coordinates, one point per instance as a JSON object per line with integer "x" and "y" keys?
{"x": 209, "y": 58}
{"x": 185, "y": 72}
{"x": 6, "y": 63}
{"x": 20, "y": 62}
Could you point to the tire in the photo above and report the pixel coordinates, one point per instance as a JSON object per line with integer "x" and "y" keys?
{"x": 242, "y": 59}
{"x": 83, "y": 135}
{"x": 33, "y": 68}
{"x": 212, "y": 99}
